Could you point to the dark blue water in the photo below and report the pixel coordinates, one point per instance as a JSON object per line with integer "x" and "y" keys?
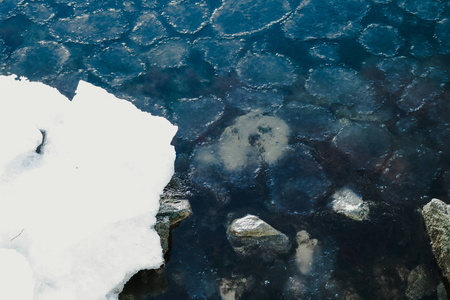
{"x": 279, "y": 104}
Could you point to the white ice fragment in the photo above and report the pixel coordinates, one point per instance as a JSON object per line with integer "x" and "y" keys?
{"x": 351, "y": 205}
{"x": 79, "y": 211}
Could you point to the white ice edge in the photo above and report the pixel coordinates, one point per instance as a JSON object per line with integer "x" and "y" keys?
{"x": 76, "y": 220}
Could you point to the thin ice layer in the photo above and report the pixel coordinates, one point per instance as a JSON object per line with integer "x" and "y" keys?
{"x": 79, "y": 188}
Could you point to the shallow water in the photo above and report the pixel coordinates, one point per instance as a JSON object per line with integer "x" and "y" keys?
{"x": 280, "y": 104}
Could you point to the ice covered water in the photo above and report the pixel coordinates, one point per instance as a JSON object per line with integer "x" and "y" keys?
{"x": 297, "y": 181}
{"x": 426, "y": 9}
{"x": 382, "y": 40}
{"x": 317, "y": 19}
{"x": 423, "y": 89}
{"x": 115, "y": 64}
{"x": 221, "y": 54}
{"x": 398, "y": 72}
{"x": 42, "y": 60}
{"x": 147, "y": 29}
{"x": 309, "y": 122}
{"x": 342, "y": 86}
{"x": 326, "y": 51}
{"x": 240, "y": 17}
{"x": 207, "y": 110}
{"x": 170, "y": 53}
{"x": 265, "y": 70}
{"x": 442, "y": 34}
{"x": 365, "y": 144}
{"x": 420, "y": 46}
{"x": 186, "y": 16}
{"x": 8, "y": 8}
{"x": 90, "y": 28}
{"x": 38, "y": 12}
{"x": 249, "y": 100}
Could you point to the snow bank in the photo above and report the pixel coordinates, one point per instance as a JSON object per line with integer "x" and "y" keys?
{"x": 79, "y": 188}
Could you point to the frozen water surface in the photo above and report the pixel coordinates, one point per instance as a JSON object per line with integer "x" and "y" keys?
{"x": 398, "y": 71}
{"x": 251, "y": 100}
{"x": 265, "y": 70}
{"x": 326, "y": 51}
{"x": 420, "y": 47}
{"x": 169, "y": 53}
{"x": 116, "y": 64}
{"x": 38, "y": 12}
{"x": 342, "y": 86}
{"x": 222, "y": 54}
{"x": 91, "y": 28}
{"x": 8, "y": 8}
{"x": 207, "y": 110}
{"x": 187, "y": 16}
{"x": 147, "y": 29}
{"x": 240, "y": 17}
{"x": 365, "y": 144}
{"x": 43, "y": 60}
{"x": 309, "y": 122}
{"x": 442, "y": 34}
{"x": 316, "y": 19}
{"x": 381, "y": 40}
{"x": 426, "y": 9}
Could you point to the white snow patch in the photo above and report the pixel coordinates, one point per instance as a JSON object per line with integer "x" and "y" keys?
{"x": 76, "y": 219}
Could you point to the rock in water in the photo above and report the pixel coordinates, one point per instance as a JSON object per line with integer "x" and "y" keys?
{"x": 437, "y": 220}
{"x": 420, "y": 283}
{"x": 252, "y": 236}
{"x": 304, "y": 255}
{"x": 349, "y": 204}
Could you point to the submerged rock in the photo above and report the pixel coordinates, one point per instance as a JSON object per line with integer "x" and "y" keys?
{"x": 304, "y": 255}
{"x": 252, "y": 236}
{"x": 420, "y": 283}
{"x": 437, "y": 220}
{"x": 233, "y": 288}
{"x": 350, "y": 204}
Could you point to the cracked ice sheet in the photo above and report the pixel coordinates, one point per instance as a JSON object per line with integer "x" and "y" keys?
{"x": 76, "y": 220}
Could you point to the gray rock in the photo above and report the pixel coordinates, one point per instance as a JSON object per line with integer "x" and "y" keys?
{"x": 304, "y": 255}
{"x": 437, "y": 220}
{"x": 441, "y": 292}
{"x": 251, "y": 236}
{"x": 351, "y": 205}
{"x": 233, "y": 288}
{"x": 420, "y": 283}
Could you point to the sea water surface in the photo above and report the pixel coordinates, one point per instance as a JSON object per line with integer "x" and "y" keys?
{"x": 279, "y": 104}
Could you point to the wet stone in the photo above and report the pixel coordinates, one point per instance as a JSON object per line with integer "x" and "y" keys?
{"x": 147, "y": 29}
{"x": 365, "y": 144}
{"x": 189, "y": 127}
{"x": 221, "y": 54}
{"x": 309, "y": 122}
{"x": 437, "y": 220}
{"x": 342, "y": 86}
{"x": 265, "y": 70}
{"x": 420, "y": 283}
{"x": 188, "y": 16}
{"x": 42, "y": 60}
{"x": 116, "y": 64}
{"x": 169, "y": 54}
{"x": 92, "y": 28}
{"x": 382, "y": 40}
{"x": 240, "y": 17}
{"x": 251, "y": 236}
{"x": 347, "y": 202}
{"x": 429, "y": 10}
{"x": 317, "y": 19}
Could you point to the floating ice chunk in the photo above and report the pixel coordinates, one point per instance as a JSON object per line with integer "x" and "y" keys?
{"x": 116, "y": 64}
{"x": 148, "y": 29}
{"x": 297, "y": 181}
{"x": 97, "y": 159}
{"x": 169, "y": 53}
{"x": 40, "y": 61}
{"x": 251, "y": 100}
{"x": 423, "y": 89}
{"x": 309, "y": 122}
{"x": 92, "y": 28}
{"x": 365, "y": 144}
{"x": 316, "y": 19}
{"x": 326, "y": 52}
{"x": 253, "y": 135}
{"x": 207, "y": 111}
{"x": 426, "y": 9}
{"x": 266, "y": 70}
{"x": 240, "y": 17}
{"x": 342, "y": 86}
{"x": 398, "y": 71}
{"x": 420, "y": 47}
{"x": 221, "y": 54}
{"x": 442, "y": 34}
{"x": 7, "y": 8}
{"x": 381, "y": 40}
{"x": 187, "y": 16}
{"x": 40, "y": 13}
